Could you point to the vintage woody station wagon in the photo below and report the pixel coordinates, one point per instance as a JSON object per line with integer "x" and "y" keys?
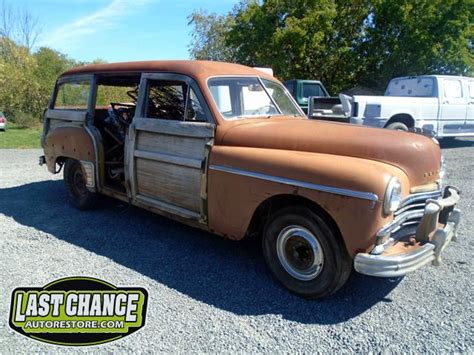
{"x": 224, "y": 147}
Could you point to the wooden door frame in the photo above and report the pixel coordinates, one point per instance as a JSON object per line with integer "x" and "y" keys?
{"x": 184, "y": 128}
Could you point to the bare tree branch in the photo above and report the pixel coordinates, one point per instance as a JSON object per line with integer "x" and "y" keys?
{"x": 18, "y": 25}
{"x": 28, "y": 27}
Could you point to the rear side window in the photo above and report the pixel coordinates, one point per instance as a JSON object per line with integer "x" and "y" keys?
{"x": 452, "y": 89}
{"x": 72, "y": 96}
{"x": 411, "y": 87}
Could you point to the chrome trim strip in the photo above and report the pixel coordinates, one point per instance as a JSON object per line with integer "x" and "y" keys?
{"x": 397, "y": 222}
{"x": 415, "y": 206}
{"x": 421, "y": 196}
{"x": 307, "y": 185}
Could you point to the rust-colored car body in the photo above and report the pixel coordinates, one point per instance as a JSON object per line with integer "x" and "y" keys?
{"x": 340, "y": 169}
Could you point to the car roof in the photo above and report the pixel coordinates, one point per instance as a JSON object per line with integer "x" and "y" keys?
{"x": 434, "y": 76}
{"x": 192, "y": 68}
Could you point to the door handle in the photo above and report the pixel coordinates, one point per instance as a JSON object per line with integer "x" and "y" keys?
{"x": 446, "y": 102}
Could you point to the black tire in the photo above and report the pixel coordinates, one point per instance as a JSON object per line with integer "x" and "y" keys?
{"x": 335, "y": 268}
{"x": 398, "y": 126}
{"x": 75, "y": 181}
{"x": 449, "y": 139}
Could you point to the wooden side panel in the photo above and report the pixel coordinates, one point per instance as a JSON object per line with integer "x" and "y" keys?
{"x": 54, "y": 123}
{"x": 189, "y": 147}
{"x": 67, "y": 115}
{"x": 178, "y": 128}
{"x": 170, "y": 165}
{"x": 177, "y": 185}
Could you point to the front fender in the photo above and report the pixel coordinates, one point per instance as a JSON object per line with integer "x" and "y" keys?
{"x": 68, "y": 142}
{"x": 234, "y": 195}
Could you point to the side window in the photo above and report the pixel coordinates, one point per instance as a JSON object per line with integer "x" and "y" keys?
{"x": 72, "y": 96}
{"x": 471, "y": 89}
{"x": 195, "y": 109}
{"x": 452, "y": 89}
{"x": 173, "y": 100}
{"x": 222, "y": 97}
{"x": 255, "y": 100}
{"x": 312, "y": 90}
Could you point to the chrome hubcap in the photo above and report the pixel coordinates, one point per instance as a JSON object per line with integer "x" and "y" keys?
{"x": 300, "y": 253}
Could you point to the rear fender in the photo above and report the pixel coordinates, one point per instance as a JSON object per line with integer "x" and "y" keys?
{"x": 68, "y": 142}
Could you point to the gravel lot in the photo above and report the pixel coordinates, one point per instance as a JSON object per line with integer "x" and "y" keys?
{"x": 212, "y": 295}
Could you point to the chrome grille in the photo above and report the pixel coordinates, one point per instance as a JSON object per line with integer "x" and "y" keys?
{"x": 413, "y": 207}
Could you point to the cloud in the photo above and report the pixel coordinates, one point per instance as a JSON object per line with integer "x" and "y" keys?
{"x": 105, "y": 18}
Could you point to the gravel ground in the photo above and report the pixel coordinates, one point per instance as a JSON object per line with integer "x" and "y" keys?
{"x": 212, "y": 295}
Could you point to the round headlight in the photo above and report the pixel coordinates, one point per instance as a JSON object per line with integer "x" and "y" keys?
{"x": 393, "y": 196}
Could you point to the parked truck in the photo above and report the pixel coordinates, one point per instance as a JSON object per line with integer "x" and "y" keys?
{"x": 441, "y": 104}
{"x": 302, "y": 90}
{"x": 313, "y": 98}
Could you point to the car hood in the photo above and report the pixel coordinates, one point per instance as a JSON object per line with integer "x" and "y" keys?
{"x": 418, "y": 156}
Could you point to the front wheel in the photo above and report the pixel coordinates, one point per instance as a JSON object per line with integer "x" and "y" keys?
{"x": 75, "y": 180}
{"x": 304, "y": 253}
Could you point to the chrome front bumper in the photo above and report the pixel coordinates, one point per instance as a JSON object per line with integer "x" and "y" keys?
{"x": 430, "y": 239}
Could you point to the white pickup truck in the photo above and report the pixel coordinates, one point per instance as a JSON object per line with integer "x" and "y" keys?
{"x": 439, "y": 103}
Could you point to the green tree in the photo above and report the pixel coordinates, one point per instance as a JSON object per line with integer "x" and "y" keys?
{"x": 209, "y": 36}
{"x": 19, "y": 92}
{"x": 50, "y": 64}
{"x": 341, "y": 42}
{"x": 311, "y": 39}
{"x": 405, "y": 37}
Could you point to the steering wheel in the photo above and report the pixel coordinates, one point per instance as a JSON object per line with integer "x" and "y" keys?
{"x": 119, "y": 112}
{"x": 171, "y": 112}
{"x": 133, "y": 94}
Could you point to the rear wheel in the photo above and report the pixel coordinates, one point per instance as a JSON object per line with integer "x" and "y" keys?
{"x": 398, "y": 126}
{"x": 75, "y": 180}
{"x": 304, "y": 254}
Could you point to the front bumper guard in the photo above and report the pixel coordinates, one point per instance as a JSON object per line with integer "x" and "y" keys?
{"x": 442, "y": 211}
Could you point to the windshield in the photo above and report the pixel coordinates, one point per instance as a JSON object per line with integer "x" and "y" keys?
{"x": 243, "y": 97}
{"x": 411, "y": 87}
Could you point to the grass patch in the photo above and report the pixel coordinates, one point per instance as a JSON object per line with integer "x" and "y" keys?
{"x": 16, "y": 137}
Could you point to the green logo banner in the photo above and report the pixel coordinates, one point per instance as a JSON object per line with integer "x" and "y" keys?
{"x": 78, "y": 311}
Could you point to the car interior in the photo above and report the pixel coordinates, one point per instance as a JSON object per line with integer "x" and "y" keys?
{"x": 116, "y": 103}
{"x": 115, "y": 108}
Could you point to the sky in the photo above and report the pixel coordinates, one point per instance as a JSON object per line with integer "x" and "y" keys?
{"x": 118, "y": 30}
